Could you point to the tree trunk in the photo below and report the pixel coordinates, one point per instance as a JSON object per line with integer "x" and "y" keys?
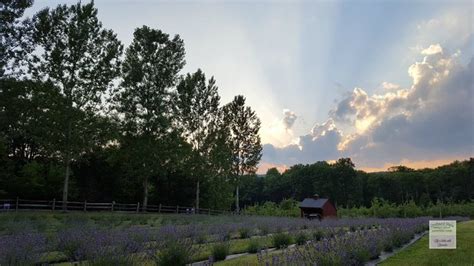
{"x": 197, "y": 197}
{"x": 68, "y": 170}
{"x": 66, "y": 185}
{"x": 237, "y": 208}
{"x": 145, "y": 194}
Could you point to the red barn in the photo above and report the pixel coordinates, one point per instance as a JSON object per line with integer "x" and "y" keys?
{"x": 316, "y": 207}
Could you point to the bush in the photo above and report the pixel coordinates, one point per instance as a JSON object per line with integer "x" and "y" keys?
{"x": 264, "y": 230}
{"x": 220, "y": 251}
{"x": 174, "y": 254}
{"x": 244, "y": 232}
{"x": 281, "y": 240}
{"x": 361, "y": 255}
{"x": 318, "y": 235}
{"x": 21, "y": 249}
{"x": 301, "y": 238}
{"x": 254, "y": 246}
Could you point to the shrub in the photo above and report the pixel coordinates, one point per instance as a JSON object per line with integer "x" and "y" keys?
{"x": 318, "y": 235}
{"x": 174, "y": 254}
{"x": 201, "y": 239}
{"x": 264, "y": 230}
{"x": 301, "y": 238}
{"x": 220, "y": 251}
{"x": 244, "y": 232}
{"x": 281, "y": 240}
{"x": 21, "y": 249}
{"x": 254, "y": 246}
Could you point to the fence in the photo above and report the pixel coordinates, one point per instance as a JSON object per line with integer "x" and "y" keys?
{"x": 54, "y": 205}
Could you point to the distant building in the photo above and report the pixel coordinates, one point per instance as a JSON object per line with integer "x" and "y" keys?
{"x": 317, "y": 208}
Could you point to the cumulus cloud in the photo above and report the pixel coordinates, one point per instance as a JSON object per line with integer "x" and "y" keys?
{"x": 432, "y": 49}
{"x": 289, "y": 118}
{"x": 320, "y": 144}
{"x": 389, "y": 86}
{"x": 430, "y": 120}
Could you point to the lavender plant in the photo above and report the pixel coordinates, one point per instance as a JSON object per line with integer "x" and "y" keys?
{"x": 21, "y": 248}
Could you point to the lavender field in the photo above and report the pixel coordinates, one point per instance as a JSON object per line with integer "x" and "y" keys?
{"x": 117, "y": 239}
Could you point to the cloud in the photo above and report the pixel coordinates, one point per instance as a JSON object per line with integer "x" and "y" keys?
{"x": 389, "y": 86}
{"x": 433, "y": 49}
{"x": 433, "y": 119}
{"x": 453, "y": 29}
{"x": 320, "y": 144}
{"x": 289, "y": 119}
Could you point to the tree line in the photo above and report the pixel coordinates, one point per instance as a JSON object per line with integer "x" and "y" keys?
{"x": 348, "y": 187}
{"x": 83, "y": 118}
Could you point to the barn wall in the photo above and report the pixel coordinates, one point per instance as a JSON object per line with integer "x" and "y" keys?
{"x": 329, "y": 210}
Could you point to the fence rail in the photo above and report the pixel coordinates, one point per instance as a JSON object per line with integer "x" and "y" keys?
{"x": 55, "y": 205}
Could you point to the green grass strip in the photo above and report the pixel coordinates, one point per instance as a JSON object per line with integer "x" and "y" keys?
{"x": 420, "y": 254}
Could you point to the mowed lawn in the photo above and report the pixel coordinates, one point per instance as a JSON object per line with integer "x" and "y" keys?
{"x": 420, "y": 254}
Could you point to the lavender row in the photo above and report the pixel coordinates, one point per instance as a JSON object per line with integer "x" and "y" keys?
{"x": 353, "y": 247}
{"x": 84, "y": 242}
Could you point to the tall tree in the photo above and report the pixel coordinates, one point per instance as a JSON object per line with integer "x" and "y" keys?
{"x": 197, "y": 104}
{"x": 243, "y": 125}
{"x": 15, "y": 33}
{"x": 81, "y": 58}
{"x": 150, "y": 70}
{"x": 218, "y": 164}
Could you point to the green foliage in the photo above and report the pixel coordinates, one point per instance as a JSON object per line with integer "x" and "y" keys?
{"x": 380, "y": 208}
{"x": 15, "y": 34}
{"x": 174, "y": 253}
{"x": 348, "y": 188}
{"x": 243, "y": 127}
{"x": 301, "y": 238}
{"x": 254, "y": 246}
{"x": 281, "y": 240}
{"x": 383, "y": 209}
{"x": 244, "y": 232}
{"x": 162, "y": 136}
{"x": 150, "y": 69}
{"x": 81, "y": 59}
{"x": 220, "y": 251}
{"x": 197, "y": 105}
{"x": 318, "y": 235}
{"x": 290, "y": 209}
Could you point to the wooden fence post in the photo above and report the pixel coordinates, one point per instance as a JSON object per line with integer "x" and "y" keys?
{"x": 17, "y": 202}
{"x": 85, "y": 205}
{"x": 177, "y": 208}
{"x": 159, "y": 208}
{"x": 54, "y": 204}
{"x": 138, "y": 207}
{"x": 113, "y": 203}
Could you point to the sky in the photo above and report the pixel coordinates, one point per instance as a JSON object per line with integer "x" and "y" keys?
{"x": 382, "y": 82}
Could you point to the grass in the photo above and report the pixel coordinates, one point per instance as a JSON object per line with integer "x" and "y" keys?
{"x": 236, "y": 246}
{"x": 420, "y": 254}
{"x": 250, "y": 260}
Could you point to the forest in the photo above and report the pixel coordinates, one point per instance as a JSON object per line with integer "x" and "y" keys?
{"x": 348, "y": 187}
{"x": 84, "y": 118}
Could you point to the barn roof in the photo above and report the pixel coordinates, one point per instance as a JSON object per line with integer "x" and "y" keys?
{"x": 313, "y": 203}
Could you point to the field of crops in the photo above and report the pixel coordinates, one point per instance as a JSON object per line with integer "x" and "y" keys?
{"x": 125, "y": 239}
